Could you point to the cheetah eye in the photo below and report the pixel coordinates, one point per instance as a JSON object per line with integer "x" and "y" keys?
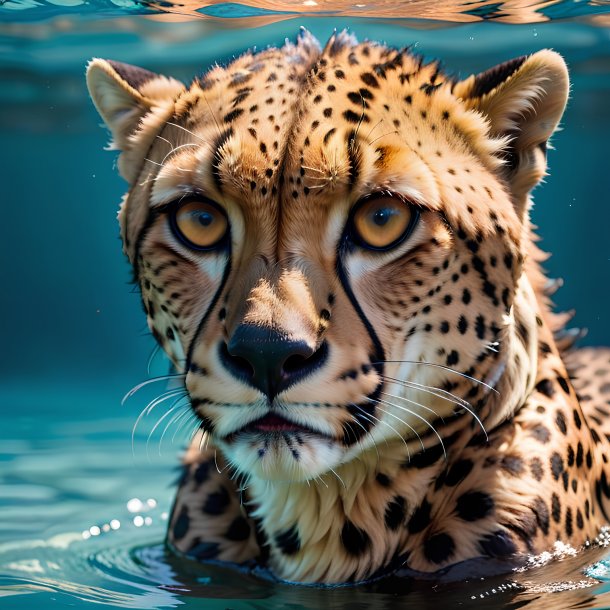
{"x": 381, "y": 221}
{"x": 199, "y": 224}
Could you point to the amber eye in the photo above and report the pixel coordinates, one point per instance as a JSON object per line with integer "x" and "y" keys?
{"x": 199, "y": 224}
{"x": 382, "y": 221}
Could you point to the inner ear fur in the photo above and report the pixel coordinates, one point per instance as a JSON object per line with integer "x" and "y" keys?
{"x": 125, "y": 94}
{"x": 523, "y": 99}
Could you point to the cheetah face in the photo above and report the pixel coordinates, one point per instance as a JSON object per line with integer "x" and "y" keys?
{"x": 328, "y": 242}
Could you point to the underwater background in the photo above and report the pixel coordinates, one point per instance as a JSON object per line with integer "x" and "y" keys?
{"x": 84, "y": 498}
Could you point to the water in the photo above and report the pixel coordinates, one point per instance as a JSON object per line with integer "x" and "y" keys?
{"x": 71, "y": 530}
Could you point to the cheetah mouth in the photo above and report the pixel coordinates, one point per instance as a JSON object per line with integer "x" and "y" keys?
{"x": 273, "y": 424}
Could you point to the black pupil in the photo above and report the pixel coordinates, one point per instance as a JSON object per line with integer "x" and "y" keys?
{"x": 205, "y": 219}
{"x": 382, "y": 216}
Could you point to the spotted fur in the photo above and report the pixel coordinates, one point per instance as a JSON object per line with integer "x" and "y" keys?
{"x": 438, "y": 420}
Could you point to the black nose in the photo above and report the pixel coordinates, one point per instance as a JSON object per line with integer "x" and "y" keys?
{"x": 268, "y": 360}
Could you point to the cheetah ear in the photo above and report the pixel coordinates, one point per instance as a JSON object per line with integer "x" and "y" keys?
{"x": 523, "y": 99}
{"x": 124, "y": 94}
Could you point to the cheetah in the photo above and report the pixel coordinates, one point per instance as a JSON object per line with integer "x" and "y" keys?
{"x": 334, "y": 249}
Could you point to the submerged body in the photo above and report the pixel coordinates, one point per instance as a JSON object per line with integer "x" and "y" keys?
{"x": 334, "y": 246}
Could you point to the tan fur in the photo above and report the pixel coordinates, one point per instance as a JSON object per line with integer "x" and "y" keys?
{"x": 443, "y": 425}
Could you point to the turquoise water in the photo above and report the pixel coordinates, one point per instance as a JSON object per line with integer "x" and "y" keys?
{"x": 82, "y": 507}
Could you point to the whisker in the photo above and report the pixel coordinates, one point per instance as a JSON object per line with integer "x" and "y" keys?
{"x": 438, "y": 392}
{"x": 173, "y": 150}
{"x": 440, "y": 366}
{"x": 172, "y": 408}
{"x": 151, "y": 358}
{"x": 377, "y": 402}
{"x": 382, "y": 136}
{"x": 165, "y": 140}
{"x": 414, "y": 402}
{"x": 340, "y": 479}
{"x": 174, "y": 420}
{"x": 464, "y": 405}
{"x": 186, "y": 421}
{"x": 192, "y": 133}
{"x": 138, "y": 387}
{"x": 149, "y": 408}
{"x": 368, "y": 135}
{"x": 313, "y": 169}
{"x": 367, "y": 415}
{"x": 391, "y": 404}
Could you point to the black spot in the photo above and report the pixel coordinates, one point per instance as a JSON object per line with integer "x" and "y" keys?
{"x": 203, "y": 550}
{"x": 420, "y": 519}
{"x": 556, "y": 465}
{"x": 231, "y": 116}
{"x": 353, "y": 117}
{"x": 545, "y": 387}
{"x": 569, "y": 528}
{"x": 570, "y": 456}
{"x": 426, "y": 457}
{"x": 238, "y": 530}
{"x": 328, "y": 135}
{"x": 370, "y": 80}
{"x": 355, "y": 540}
{"x": 579, "y": 455}
{"x": 536, "y": 468}
{"x": 216, "y": 503}
{"x": 462, "y": 325}
{"x": 452, "y": 358}
{"x": 458, "y": 472}
{"x": 181, "y": 524}
{"x": 439, "y": 547}
{"x": 444, "y": 327}
{"x": 541, "y": 512}
{"x": 512, "y": 464}
{"x": 564, "y": 384}
{"x": 474, "y": 505}
{"x": 577, "y": 420}
{"x": 560, "y": 420}
{"x": 579, "y": 520}
{"x": 498, "y": 544}
{"x": 395, "y": 512}
{"x": 202, "y": 473}
{"x": 480, "y": 326}
{"x": 555, "y": 508}
{"x": 169, "y": 333}
{"x": 383, "y": 479}
{"x": 541, "y": 433}
{"x": 288, "y": 541}
{"x": 466, "y": 296}
{"x": 328, "y": 112}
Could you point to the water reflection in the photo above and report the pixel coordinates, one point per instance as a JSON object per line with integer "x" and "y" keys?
{"x": 254, "y": 13}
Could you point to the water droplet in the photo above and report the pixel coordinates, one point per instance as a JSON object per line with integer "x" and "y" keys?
{"x": 134, "y": 505}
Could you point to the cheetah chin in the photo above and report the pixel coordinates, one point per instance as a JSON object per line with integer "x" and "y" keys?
{"x": 333, "y": 246}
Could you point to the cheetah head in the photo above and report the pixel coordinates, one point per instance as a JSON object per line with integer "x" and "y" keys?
{"x": 331, "y": 243}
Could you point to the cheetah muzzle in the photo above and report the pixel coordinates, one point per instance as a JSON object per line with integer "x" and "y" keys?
{"x": 334, "y": 246}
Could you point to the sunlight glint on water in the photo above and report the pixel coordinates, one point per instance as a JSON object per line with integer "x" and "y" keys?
{"x": 82, "y": 517}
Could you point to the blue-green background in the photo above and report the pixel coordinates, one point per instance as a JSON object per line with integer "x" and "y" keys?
{"x": 73, "y": 334}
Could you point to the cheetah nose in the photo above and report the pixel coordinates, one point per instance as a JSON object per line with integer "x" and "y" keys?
{"x": 268, "y": 360}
